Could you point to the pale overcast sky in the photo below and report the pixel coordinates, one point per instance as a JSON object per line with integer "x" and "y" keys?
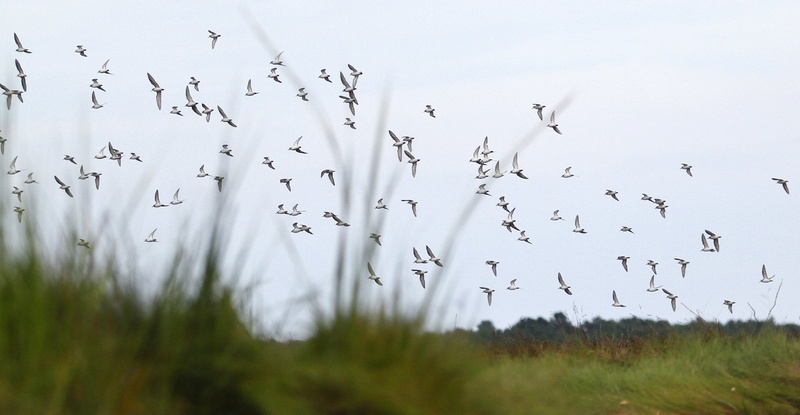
{"x": 639, "y": 88}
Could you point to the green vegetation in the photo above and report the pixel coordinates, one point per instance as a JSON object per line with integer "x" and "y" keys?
{"x": 75, "y": 338}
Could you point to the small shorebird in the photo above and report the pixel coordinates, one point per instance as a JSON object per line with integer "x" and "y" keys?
{"x": 683, "y": 263}
{"x": 784, "y": 183}
{"x": 372, "y": 275}
{"x": 765, "y": 278}
{"x": 653, "y": 287}
{"x": 730, "y": 304}
{"x": 214, "y": 36}
{"x": 672, "y": 297}
{"x": 616, "y": 301}
{"x": 553, "y": 124}
{"x": 624, "y": 260}
{"x": 578, "y": 228}
{"x": 563, "y": 286}
{"x": 488, "y": 292}
{"x": 493, "y": 264}
{"x": 151, "y": 237}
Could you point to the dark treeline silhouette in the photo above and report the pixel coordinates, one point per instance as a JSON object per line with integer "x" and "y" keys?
{"x": 530, "y": 335}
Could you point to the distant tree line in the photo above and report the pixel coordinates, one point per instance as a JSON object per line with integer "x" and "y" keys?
{"x": 558, "y": 330}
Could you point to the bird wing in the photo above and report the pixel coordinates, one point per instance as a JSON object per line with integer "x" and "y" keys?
{"x": 152, "y": 80}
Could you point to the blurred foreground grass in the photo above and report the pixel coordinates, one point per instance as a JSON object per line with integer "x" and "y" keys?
{"x": 75, "y": 339}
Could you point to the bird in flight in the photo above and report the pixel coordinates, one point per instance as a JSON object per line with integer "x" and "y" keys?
{"x": 539, "y": 108}
{"x": 63, "y": 186}
{"x": 730, "y": 304}
{"x": 214, "y": 36}
{"x": 765, "y": 278}
{"x": 493, "y": 264}
{"x": 553, "y": 124}
{"x": 687, "y": 168}
{"x": 616, "y": 301}
{"x": 433, "y": 257}
{"x": 413, "y": 204}
{"x": 151, "y": 237}
{"x": 20, "y": 48}
{"x": 715, "y": 238}
{"x": 372, "y": 275}
{"x": 207, "y": 112}
{"x": 158, "y": 203}
{"x": 104, "y": 69}
{"x": 95, "y": 105}
{"x": 683, "y": 263}
{"x": 421, "y": 275}
{"x": 624, "y": 260}
{"x": 653, "y": 287}
{"x": 503, "y": 204}
{"x": 18, "y": 210}
{"x": 375, "y": 237}
{"x": 301, "y": 228}
{"x": 329, "y": 172}
{"x": 191, "y": 104}
{"x": 250, "y": 91}
{"x": 302, "y": 94}
{"x": 784, "y": 183}
{"x": 418, "y": 259}
{"x": 672, "y": 297}
{"x": 397, "y": 144}
{"x": 296, "y": 146}
{"x": 488, "y": 292}
{"x": 652, "y": 265}
{"x": 273, "y": 74}
{"x": 202, "y": 171}
{"x": 157, "y": 89}
{"x": 287, "y": 182}
{"x": 563, "y": 286}
{"x": 12, "y": 168}
{"x": 21, "y": 75}
{"x": 515, "y": 167}
{"x": 225, "y": 117}
{"x": 705, "y": 243}
{"x": 429, "y": 110}
{"x": 96, "y": 84}
{"x": 324, "y": 76}
{"x": 578, "y": 228}
{"x": 277, "y": 61}
{"x": 413, "y": 161}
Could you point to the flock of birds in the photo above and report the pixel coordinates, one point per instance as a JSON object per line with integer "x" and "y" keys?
{"x": 403, "y": 146}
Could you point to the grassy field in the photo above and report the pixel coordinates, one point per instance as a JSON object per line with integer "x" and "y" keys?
{"x": 76, "y": 339}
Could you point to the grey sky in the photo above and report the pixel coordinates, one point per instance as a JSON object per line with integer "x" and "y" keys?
{"x": 645, "y": 88}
